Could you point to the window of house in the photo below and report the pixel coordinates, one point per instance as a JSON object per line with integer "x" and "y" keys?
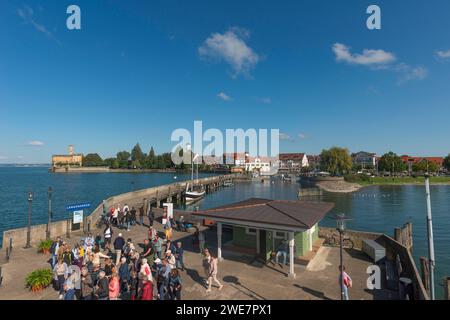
{"x": 280, "y": 235}
{"x": 250, "y": 231}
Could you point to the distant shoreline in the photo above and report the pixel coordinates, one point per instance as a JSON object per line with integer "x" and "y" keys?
{"x": 342, "y": 186}
{"x": 108, "y": 170}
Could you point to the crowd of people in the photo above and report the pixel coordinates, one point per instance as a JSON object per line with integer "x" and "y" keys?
{"x": 100, "y": 268}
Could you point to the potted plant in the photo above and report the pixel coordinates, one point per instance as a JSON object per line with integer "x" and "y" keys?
{"x": 39, "y": 279}
{"x": 45, "y": 245}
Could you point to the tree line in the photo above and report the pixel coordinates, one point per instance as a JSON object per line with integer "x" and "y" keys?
{"x": 136, "y": 159}
{"x": 338, "y": 161}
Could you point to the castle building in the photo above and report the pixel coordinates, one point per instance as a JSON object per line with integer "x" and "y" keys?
{"x": 68, "y": 160}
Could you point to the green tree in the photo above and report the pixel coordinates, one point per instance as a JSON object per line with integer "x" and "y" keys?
{"x": 109, "y": 162}
{"x": 336, "y": 160}
{"x": 447, "y": 162}
{"x": 425, "y": 166}
{"x": 150, "y": 161}
{"x": 391, "y": 162}
{"x": 123, "y": 157}
{"x": 92, "y": 160}
{"x": 137, "y": 154}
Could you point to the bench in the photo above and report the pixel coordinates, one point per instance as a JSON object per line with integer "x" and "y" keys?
{"x": 373, "y": 250}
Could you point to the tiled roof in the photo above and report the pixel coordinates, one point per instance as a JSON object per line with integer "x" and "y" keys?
{"x": 297, "y": 214}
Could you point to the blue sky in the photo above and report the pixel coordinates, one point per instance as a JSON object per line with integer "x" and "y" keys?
{"x": 137, "y": 70}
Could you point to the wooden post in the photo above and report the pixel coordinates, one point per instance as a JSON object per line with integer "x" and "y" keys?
{"x": 447, "y": 288}
{"x": 398, "y": 235}
{"x": 410, "y": 235}
{"x": 425, "y": 273}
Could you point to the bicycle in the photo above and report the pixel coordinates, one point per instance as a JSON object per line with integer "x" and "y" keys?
{"x": 334, "y": 240}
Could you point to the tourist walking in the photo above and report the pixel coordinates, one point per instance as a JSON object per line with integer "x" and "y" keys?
{"x": 121, "y": 219}
{"x": 54, "y": 250}
{"x": 102, "y": 292}
{"x": 133, "y": 216}
{"x": 129, "y": 249}
{"x": 152, "y": 233}
{"x": 87, "y": 285}
{"x": 119, "y": 243}
{"x": 206, "y": 264}
{"x": 146, "y": 271}
{"x": 163, "y": 280}
{"x": 107, "y": 234}
{"x": 147, "y": 290}
{"x": 114, "y": 287}
{"x": 61, "y": 272}
{"x": 115, "y": 216}
{"x": 345, "y": 282}
{"x": 168, "y": 230}
{"x": 141, "y": 215}
{"x": 170, "y": 259}
{"x": 157, "y": 246}
{"x": 68, "y": 255}
{"x": 179, "y": 252}
{"x": 147, "y": 249}
{"x": 213, "y": 273}
{"x": 175, "y": 285}
{"x": 69, "y": 285}
{"x": 151, "y": 216}
{"x": 134, "y": 285}
{"x": 124, "y": 275}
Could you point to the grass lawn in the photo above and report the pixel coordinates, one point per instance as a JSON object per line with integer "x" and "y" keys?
{"x": 396, "y": 180}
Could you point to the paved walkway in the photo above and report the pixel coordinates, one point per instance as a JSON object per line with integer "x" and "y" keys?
{"x": 243, "y": 277}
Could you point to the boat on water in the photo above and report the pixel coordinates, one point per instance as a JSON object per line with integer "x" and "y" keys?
{"x": 286, "y": 178}
{"x": 228, "y": 183}
{"x": 192, "y": 195}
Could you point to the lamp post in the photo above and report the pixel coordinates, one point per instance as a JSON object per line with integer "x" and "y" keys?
{"x": 30, "y": 204}
{"x": 50, "y": 191}
{"x": 341, "y": 219}
{"x": 431, "y": 259}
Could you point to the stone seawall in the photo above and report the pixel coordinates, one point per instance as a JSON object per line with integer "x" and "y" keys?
{"x": 151, "y": 196}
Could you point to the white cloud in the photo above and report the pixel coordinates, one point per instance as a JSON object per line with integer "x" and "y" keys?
{"x": 35, "y": 143}
{"x": 443, "y": 54}
{"x": 231, "y": 48}
{"x": 265, "y": 100}
{"x": 27, "y": 15}
{"x": 368, "y": 56}
{"x": 380, "y": 60}
{"x": 224, "y": 96}
{"x": 302, "y": 136}
{"x": 407, "y": 72}
{"x": 3, "y": 158}
{"x": 284, "y": 136}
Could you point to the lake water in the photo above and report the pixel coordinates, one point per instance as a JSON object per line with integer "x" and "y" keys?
{"x": 15, "y": 183}
{"x": 377, "y": 208}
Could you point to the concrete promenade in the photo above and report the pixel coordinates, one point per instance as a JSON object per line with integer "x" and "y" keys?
{"x": 243, "y": 277}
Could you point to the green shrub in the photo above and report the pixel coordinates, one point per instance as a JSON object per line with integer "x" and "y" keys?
{"x": 39, "y": 279}
{"x": 45, "y": 245}
{"x": 357, "y": 178}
